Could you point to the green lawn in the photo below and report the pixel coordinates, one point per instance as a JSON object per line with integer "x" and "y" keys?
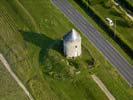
{"x": 38, "y": 61}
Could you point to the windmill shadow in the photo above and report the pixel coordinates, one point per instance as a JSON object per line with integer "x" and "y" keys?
{"x": 42, "y": 41}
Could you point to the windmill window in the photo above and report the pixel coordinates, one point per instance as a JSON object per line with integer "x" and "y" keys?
{"x": 76, "y": 46}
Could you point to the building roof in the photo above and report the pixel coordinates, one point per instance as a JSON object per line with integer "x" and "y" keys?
{"x": 73, "y": 35}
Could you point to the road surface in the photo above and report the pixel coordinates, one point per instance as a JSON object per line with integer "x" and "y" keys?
{"x": 7, "y": 66}
{"x": 111, "y": 54}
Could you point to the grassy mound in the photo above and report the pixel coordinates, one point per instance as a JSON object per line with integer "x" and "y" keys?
{"x": 59, "y": 67}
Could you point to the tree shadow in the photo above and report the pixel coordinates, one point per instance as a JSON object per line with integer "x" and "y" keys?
{"x": 43, "y": 42}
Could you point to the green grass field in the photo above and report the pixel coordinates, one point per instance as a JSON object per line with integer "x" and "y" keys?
{"x": 38, "y": 61}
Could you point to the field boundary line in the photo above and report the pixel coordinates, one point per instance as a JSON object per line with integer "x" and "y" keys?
{"x": 103, "y": 87}
{"x": 7, "y": 66}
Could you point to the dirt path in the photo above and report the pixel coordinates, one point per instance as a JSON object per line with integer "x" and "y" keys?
{"x": 103, "y": 87}
{"x": 7, "y": 66}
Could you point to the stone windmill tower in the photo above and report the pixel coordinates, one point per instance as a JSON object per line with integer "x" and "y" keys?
{"x": 72, "y": 44}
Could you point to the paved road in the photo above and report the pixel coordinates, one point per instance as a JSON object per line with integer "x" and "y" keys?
{"x": 95, "y": 37}
{"x": 103, "y": 87}
{"x": 7, "y": 66}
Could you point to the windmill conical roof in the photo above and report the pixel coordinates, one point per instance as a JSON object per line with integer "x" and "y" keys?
{"x": 73, "y": 35}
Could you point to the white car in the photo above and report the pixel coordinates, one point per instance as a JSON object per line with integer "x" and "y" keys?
{"x": 109, "y": 21}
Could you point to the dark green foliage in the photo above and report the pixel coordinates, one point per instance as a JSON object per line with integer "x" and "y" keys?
{"x": 55, "y": 65}
{"x": 127, "y": 4}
